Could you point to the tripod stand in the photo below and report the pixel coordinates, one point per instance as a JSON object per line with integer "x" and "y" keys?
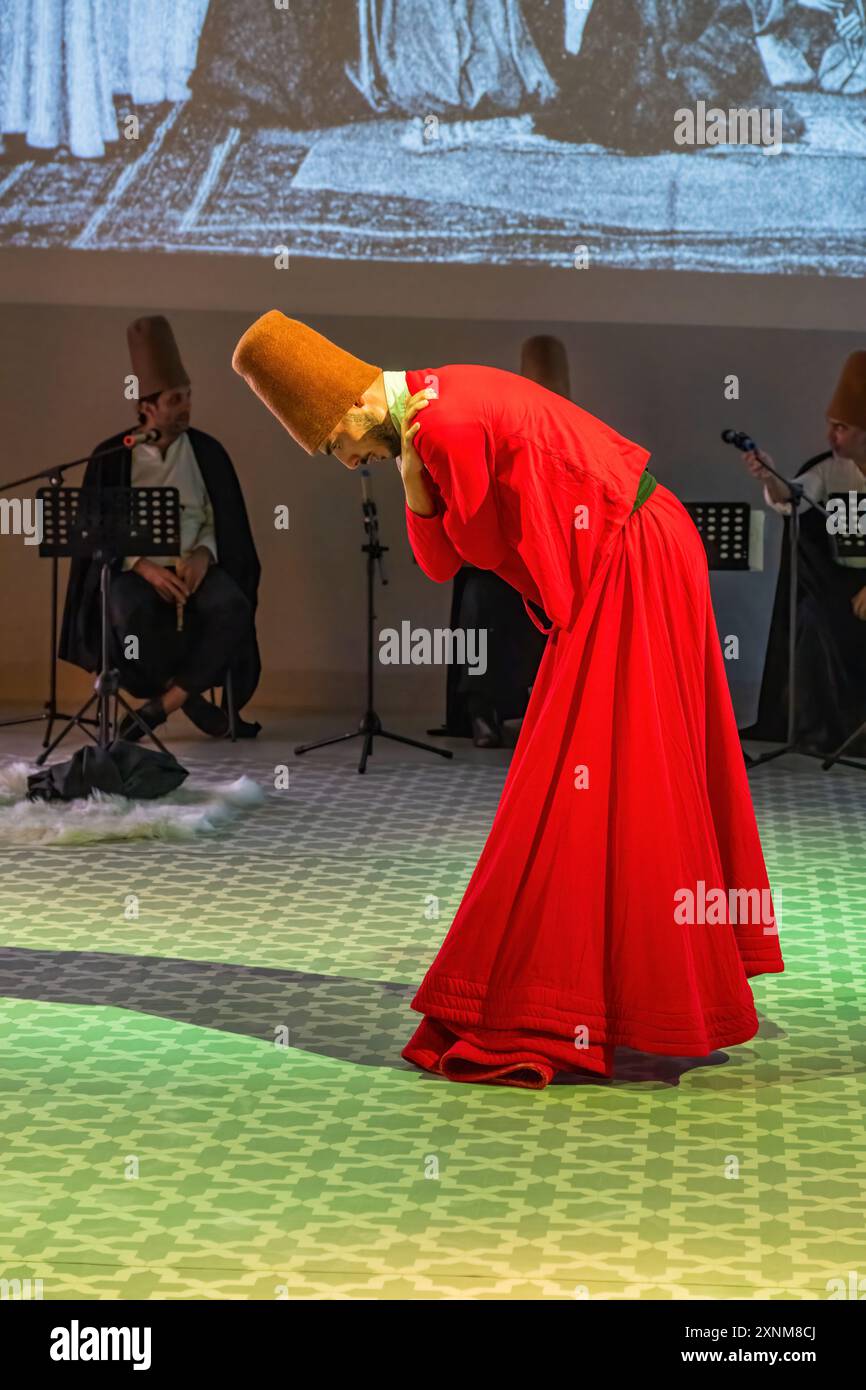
{"x": 371, "y": 725}
{"x": 50, "y": 712}
{"x": 104, "y": 526}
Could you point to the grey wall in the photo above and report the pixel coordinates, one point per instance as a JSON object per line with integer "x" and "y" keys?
{"x": 61, "y": 382}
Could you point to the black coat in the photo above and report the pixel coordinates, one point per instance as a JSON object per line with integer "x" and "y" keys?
{"x": 79, "y": 635}
{"x": 819, "y": 576}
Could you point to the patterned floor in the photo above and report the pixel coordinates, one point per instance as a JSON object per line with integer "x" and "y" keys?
{"x": 203, "y": 1095}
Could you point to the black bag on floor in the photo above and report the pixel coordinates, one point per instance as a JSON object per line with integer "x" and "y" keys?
{"x": 123, "y": 769}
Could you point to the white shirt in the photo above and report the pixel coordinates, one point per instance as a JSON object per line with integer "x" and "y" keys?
{"x": 396, "y": 395}
{"x": 833, "y": 474}
{"x": 178, "y": 469}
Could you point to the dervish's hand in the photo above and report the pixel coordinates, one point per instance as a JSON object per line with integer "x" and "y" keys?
{"x": 409, "y": 462}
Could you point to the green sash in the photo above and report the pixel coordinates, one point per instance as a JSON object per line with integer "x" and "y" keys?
{"x": 645, "y": 487}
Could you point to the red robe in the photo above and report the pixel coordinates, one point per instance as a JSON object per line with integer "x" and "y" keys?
{"x": 603, "y": 910}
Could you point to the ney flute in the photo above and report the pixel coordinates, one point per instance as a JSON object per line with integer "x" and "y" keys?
{"x": 178, "y": 607}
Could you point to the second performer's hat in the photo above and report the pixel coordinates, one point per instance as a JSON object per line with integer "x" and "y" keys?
{"x": 303, "y": 378}
{"x": 849, "y": 398}
{"x": 154, "y": 355}
{"x": 545, "y": 360}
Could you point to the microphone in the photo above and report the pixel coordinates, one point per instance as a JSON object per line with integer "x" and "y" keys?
{"x": 141, "y": 437}
{"x": 744, "y": 442}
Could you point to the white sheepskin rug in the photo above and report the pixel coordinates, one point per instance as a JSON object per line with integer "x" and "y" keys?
{"x": 181, "y": 815}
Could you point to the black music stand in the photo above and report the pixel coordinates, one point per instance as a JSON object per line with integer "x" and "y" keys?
{"x": 371, "y": 724}
{"x": 724, "y": 528}
{"x": 847, "y": 542}
{"x": 50, "y": 713}
{"x": 105, "y": 524}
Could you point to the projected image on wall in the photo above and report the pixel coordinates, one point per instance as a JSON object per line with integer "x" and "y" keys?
{"x": 723, "y": 135}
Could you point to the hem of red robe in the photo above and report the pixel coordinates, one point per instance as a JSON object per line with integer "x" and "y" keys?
{"x": 528, "y": 1048}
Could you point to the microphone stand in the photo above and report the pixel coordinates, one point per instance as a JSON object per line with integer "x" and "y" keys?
{"x": 50, "y": 712}
{"x": 371, "y": 724}
{"x": 796, "y": 493}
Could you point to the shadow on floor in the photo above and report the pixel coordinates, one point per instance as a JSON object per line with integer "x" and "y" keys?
{"x": 367, "y": 1022}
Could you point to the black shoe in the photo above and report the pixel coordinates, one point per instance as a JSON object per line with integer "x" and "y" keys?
{"x": 486, "y": 733}
{"x": 247, "y": 728}
{"x": 210, "y": 718}
{"x": 152, "y": 714}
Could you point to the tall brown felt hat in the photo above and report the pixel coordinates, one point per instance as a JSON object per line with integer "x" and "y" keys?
{"x": 849, "y": 398}
{"x": 303, "y": 378}
{"x": 154, "y": 355}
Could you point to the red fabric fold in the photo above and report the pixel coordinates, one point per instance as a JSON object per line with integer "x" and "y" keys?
{"x": 627, "y": 787}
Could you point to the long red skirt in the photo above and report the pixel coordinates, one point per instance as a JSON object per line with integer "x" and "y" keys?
{"x": 600, "y": 912}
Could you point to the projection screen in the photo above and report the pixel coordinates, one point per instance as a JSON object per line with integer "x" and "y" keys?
{"x": 718, "y": 137}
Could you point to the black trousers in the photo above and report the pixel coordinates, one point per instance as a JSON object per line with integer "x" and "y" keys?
{"x": 215, "y": 620}
{"x": 831, "y": 665}
{"x": 515, "y": 647}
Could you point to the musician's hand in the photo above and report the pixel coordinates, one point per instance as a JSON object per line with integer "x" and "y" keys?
{"x": 755, "y": 460}
{"x": 858, "y": 603}
{"x": 169, "y": 587}
{"x": 409, "y": 462}
{"x": 193, "y": 567}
